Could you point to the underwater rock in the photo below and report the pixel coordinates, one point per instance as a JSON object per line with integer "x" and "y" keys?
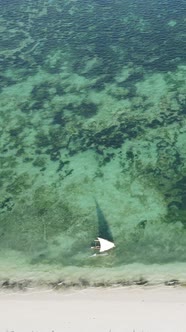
{"x": 6, "y": 204}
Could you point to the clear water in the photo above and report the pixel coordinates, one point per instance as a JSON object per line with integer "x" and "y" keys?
{"x": 92, "y": 109}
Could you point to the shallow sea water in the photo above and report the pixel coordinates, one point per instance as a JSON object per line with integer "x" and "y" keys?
{"x": 93, "y": 131}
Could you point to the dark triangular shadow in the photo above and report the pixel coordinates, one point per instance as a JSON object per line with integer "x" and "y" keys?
{"x": 103, "y": 226}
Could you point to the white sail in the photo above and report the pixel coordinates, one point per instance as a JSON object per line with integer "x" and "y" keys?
{"x": 105, "y": 244}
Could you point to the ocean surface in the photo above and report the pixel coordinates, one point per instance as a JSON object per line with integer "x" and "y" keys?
{"x": 92, "y": 140}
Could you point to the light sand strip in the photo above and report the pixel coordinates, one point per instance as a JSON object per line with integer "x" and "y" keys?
{"x": 150, "y": 309}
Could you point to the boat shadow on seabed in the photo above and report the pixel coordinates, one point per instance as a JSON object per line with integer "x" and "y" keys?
{"x": 105, "y": 240}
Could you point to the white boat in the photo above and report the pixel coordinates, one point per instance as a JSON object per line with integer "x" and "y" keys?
{"x": 103, "y": 245}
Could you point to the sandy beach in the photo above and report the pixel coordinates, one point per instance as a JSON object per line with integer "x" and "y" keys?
{"x": 121, "y": 309}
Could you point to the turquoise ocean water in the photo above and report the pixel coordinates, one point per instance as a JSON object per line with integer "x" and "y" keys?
{"x": 92, "y": 139}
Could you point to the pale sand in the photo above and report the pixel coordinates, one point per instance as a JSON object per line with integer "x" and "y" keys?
{"x": 147, "y": 309}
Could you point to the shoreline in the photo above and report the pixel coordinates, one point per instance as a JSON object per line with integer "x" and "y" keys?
{"x": 25, "y": 285}
{"x": 120, "y": 309}
{"x": 56, "y": 277}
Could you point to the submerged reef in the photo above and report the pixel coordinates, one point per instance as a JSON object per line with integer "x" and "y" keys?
{"x": 92, "y": 107}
